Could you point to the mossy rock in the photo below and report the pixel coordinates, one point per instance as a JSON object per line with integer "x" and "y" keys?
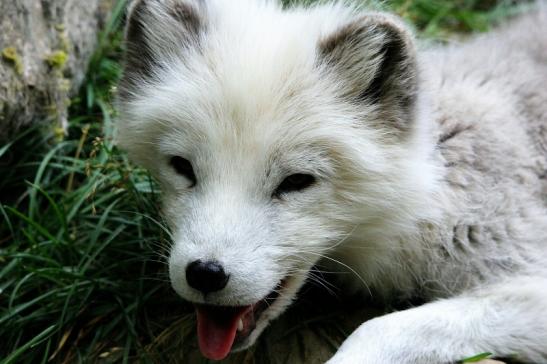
{"x": 43, "y": 43}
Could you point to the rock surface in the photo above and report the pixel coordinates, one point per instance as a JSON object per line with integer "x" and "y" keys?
{"x": 45, "y": 46}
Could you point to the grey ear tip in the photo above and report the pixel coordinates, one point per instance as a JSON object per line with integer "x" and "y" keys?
{"x": 386, "y": 26}
{"x": 374, "y": 57}
{"x": 132, "y": 5}
{"x": 390, "y": 22}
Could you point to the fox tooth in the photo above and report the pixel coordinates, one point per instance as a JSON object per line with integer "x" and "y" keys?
{"x": 240, "y": 325}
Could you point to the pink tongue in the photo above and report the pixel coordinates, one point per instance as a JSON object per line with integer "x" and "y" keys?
{"x": 217, "y": 328}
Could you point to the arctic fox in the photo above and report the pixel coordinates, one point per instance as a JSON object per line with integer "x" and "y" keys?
{"x": 289, "y": 138}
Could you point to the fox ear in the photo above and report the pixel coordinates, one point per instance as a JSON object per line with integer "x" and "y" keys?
{"x": 376, "y": 59}
{"x": 156, "y": 29}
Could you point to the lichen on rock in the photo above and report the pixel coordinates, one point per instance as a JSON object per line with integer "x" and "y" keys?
{"x": 10, "y": 54}
{"x": 57, "y": 59}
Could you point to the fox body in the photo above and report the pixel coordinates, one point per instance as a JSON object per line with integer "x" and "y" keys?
{"x": 285, "y": 139}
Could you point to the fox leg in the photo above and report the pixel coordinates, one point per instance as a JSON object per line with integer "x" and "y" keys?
{"x": 508, "y": 319}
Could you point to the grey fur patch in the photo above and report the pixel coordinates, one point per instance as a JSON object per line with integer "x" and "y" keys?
{"x": 452, "y": 133}
{"x": 188, "y": 17}
{"x": 375, "y": 57}
{"x": 139, "y": 58}
{"x": 182, "y": 24}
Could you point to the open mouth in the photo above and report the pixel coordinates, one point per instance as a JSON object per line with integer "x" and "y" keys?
{"x": 222, "y": 327}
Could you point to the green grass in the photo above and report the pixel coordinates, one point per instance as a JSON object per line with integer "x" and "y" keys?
{"x": 477, "y": 358}
{"x": 82, "y": 243}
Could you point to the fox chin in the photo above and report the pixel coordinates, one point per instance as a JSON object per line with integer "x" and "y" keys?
{"x": 285, "y": 139}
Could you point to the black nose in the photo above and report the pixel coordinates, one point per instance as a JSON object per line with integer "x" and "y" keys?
{"x": 206, "y": 277}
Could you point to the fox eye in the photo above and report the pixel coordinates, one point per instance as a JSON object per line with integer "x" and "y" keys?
{"x": 183, "y": 167}
{"x": 294, "y": 182}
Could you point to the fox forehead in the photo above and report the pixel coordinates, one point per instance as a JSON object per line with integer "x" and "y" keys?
{"x": 232, "y": 92}
{"x": 288, "y": 115}
{"x": 294, "y": 126}
{"x": 253, "y": 87}
{"x": 252, "y": 63}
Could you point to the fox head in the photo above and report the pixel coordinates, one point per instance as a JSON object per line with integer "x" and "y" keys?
{"x": 280, "y": 138}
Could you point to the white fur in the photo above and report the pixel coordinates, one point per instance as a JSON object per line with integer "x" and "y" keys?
{"x": 461, "y": 221}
